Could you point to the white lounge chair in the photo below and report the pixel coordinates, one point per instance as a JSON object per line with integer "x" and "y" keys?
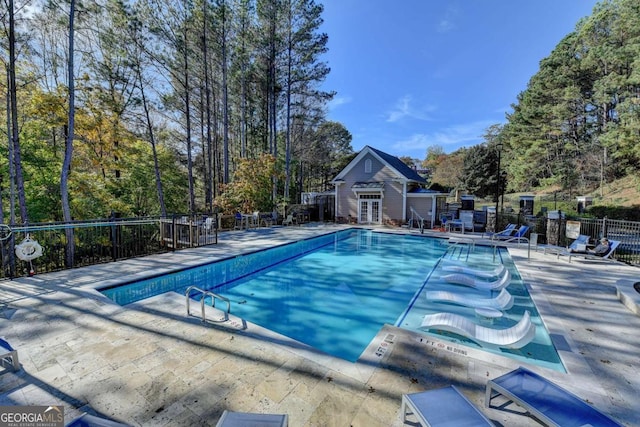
{"x": 613, "y": 244}
{"x": 517, "y": 336}
{"x": 504, "y": 300}
{"x": 473, "y": 282}
{"x": 289, "y": 220}
{"x": 207, "y": 225}
{"x": 442, "y": 407}
{"x": 545, "y": 400}
{"x": 487, "y": 274}
{"x": 247, "y": 419}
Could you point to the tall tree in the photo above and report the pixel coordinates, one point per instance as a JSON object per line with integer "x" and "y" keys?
{"x": 303, "y": 71}
{"x": 138, "y": 61}
{"x": 68, "y": 152}
{"x": 15, "y": 157}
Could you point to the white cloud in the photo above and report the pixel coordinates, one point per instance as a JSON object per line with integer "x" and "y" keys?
{"x": 404, "y": 109}
{"x": 447, "y": 23}
{"x": 338, "y": 101}
{"x": 450, "y": 138}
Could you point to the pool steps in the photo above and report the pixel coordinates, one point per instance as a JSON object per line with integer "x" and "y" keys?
{"x": 204, "y": 294}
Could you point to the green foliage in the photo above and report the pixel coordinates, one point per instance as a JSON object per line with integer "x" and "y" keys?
{"x": 580, "y": 111}
{"x": 447, "y": 170}
{"x": 615, "y": 212}
{"x": 210, "y": 81}
{"x": 251, "y": 188}
{"x": 479, "y": 174}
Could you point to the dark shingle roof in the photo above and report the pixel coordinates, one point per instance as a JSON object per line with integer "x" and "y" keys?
{"x": 399, "y": 165}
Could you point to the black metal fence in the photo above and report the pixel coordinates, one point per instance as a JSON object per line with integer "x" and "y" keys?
{"x": 557, "y": 230}
{"x": 99, "y": 241}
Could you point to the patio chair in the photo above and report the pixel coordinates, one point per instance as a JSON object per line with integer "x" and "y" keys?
{"x": 461, "y": 268}
{"x": 579, "y": 244}
{"x": 545, "y": 400}
{"x": 238, "y": 225}
{"x": 268, "y": 219}
{"x": 247, "y": 419}
{"x": 289, "y": 220}
{"x": 515, "y": 337}
{"x": 518, "y": 236}
{"x": 507, "y": 232}
{"x": 442, "y": 407}
{"x": 613, "y": 244}
{"x": 443, "y": 223}
{"x": 207, "y": 225}
{"x": 475, "y": 282}
{"x": 504, "y": 300}
{"x": 9, "y": 355}
{"x": 254, "y": 220}
{"x": 87, "y": 420}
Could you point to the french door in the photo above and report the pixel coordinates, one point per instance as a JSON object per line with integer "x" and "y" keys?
{"x": 369, "y": 209}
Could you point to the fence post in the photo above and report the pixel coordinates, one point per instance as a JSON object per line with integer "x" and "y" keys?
{"x": 173, "y": 233}
{"x": 604, "y": 227}
{"x": 114, "y": 253}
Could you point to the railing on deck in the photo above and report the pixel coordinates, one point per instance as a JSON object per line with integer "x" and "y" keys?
{"x": 626, "y": 232}
{"x": 102, "y": 241}
{"x": 554, "y": 231}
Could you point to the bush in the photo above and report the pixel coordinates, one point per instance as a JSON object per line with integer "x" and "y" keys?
{"x": 615, "y": 212}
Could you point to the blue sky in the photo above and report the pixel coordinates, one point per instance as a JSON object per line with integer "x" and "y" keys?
{"x": 410, "y": 74}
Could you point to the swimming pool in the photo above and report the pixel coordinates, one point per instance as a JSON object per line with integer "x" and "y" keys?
{"x": 332, "y": 292}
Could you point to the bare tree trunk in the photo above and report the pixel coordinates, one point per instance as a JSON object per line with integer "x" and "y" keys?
{"x": 12, "y": 170}
{"x": 152, "y": 141}
{"x": 206, "y": 152}
{"x": 187, "y": 100}
{"x": 272, "y": 96}
{"x": 68, "y": 152}
{"x": 225, "y": 96}
{"x": 17, "y": 158}
{"x": 287, "y": 154}
{"x": 8, "y": 256}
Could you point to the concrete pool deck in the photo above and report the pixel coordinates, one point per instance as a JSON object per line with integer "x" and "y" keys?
{"x": 149, "y": 364}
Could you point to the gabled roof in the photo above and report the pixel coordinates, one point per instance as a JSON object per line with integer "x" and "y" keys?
{"x": 392, "y": 162}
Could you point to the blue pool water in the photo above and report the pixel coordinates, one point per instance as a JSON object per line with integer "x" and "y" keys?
{"x": 332, "y": 292}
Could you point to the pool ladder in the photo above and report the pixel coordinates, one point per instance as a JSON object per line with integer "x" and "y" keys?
{"x": 459, "y": 245}
{"x": 202, "y": 301}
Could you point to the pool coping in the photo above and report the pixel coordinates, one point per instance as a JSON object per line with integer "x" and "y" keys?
{"x": 403, "y": 352}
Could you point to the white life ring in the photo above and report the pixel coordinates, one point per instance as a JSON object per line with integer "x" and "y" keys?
{"x": 28, "y": 250}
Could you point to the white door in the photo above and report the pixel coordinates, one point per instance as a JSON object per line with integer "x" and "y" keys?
{"x": 370, "y": 212}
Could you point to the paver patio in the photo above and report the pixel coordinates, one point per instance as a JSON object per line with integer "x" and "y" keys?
{"x": 149, "y": 364}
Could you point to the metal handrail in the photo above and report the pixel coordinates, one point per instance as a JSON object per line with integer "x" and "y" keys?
{"x": 202, "y": 300}
{"x": 414, "y": 212}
